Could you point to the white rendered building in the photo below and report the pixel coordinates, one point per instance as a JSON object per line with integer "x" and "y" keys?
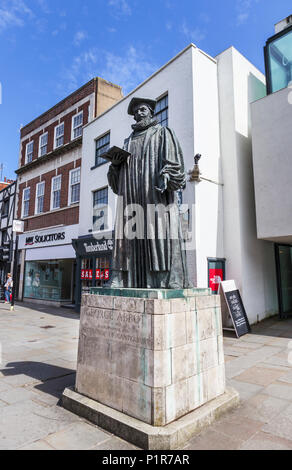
{"x": 272, "y": 144}
{"x": 207, "y": 102}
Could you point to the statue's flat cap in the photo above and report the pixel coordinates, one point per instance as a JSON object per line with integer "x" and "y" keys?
{"x": 136, "y": 101}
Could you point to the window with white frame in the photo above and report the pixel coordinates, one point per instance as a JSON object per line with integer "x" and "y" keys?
{"x": 74, "y": 186}
{"x": 100, "y": 209}
{"x": 39, "y": 199}
{"x": 161, "y": 111}
{"x": 59, "y": 135}
{"x": 56, "y": 192}
{"x": 43, "y": 144}
{"x": 77, "y": 123}
{"x": 102, "y": 146}
{"x": 25, "y": 202}
{"x": 29, "y": 152}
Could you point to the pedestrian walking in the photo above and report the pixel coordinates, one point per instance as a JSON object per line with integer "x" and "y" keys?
{"x": 8, "y": 288}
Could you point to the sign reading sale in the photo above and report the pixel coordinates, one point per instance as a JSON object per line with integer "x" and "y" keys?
{"x": 100, "y": 274}
{"x": 86, "y": 274}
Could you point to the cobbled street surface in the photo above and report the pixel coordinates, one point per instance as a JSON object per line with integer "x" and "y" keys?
{"x": 39, "y": 352}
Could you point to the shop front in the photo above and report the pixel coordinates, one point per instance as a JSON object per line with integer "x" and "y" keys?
{"x": 48, "y": 271}
{"x": 93, "y": 264}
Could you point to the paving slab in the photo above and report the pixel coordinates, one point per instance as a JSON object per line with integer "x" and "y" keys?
{"x": 260, "y": 375}
{"x": 79, "y": 436}
{"x": 237, "y": 429}
{"x": 264, "y": 441}
{"x": 213, "y": 440}
{"x": 262, "y": 408}
{"x": 281, "y": 425}
{"x": 246, "y": 390}
{"x": 114, "y": 443}
{"x": 283, "y": 391}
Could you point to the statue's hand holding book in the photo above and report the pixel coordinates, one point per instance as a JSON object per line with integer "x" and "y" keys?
{"x": 116, "y": 156}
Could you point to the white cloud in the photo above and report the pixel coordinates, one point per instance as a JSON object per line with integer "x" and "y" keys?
{"x": 126, "y": 70}
{"x": 82, "y": 69}
{"x": 120, "y": 7}
{"x": 13, "y": 13}
{"x": 196, "y": 35}
{"x": 79, "y": 37}
{"x": 243, "y": 10}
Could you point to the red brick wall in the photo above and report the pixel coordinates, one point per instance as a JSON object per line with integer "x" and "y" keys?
{"x": 32, "y": 184}
{"x": 48, "y": 219}
{"x": 21, "y": 188}
{"x": 68, "y": 126}
{"x": 67, "y": 119}
{"x": 47, "y": 178}
{"x": 35, "y": 139}
{"x": 85, "y": 109}
{"x": 51, "y": 134}
{"x": 72, "y": 99}
{"x": 23, "y": 151}
{"x": 68, "y": 216}
{"x": 64, "y": 171}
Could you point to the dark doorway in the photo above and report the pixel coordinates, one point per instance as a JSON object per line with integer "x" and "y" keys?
{"x": 284, "y": 279}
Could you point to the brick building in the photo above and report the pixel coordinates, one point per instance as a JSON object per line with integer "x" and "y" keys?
{"x": 48, "y": 191}
{"x": 7, "y": 207}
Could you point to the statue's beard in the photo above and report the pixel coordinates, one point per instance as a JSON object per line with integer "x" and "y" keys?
{"x": 144, "y": 123}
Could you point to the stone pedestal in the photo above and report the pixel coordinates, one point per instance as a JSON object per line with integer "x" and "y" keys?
{"x": 153, "y": 355}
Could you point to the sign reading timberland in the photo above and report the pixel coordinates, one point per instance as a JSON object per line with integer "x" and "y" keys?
{"x": 236, "y": 308}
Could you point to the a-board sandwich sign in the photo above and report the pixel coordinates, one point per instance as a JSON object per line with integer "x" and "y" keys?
{"x": 235, "y": 308}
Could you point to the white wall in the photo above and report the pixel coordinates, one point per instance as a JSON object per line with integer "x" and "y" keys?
{"x": 208, "y": 195}
{"x": 250, "y": 262}
{"x": 272, "y": 144}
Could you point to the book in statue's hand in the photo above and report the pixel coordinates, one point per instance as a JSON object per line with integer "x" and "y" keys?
{"x": 116, "y": 155}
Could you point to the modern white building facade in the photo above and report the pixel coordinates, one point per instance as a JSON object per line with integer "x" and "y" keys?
{"x": 207, "y": 102}
{"x": 272, "y": 144}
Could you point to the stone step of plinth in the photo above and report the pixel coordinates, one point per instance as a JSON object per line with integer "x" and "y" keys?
{"x": 150, "y": 293}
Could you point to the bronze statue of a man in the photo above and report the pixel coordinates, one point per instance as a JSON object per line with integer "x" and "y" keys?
{"x": 150, "y": 179}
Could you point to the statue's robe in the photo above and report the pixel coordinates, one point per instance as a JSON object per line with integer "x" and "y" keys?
{"x": 152, "y": 260}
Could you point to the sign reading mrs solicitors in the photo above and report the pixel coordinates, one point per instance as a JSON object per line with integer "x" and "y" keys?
{"x": 50, "y": 237}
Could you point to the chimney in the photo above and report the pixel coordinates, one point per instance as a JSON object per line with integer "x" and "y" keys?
{"x": 283, "y": 24}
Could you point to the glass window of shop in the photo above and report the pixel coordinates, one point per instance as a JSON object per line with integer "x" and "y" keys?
{"x": 279, "y": 62}
{"x": 88, "y": 280}
{"x": 48, "y": 280}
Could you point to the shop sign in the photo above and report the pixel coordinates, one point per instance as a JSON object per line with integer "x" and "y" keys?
{"x": 104, "y": 245}
{"x": 215, "y": 277}
{"x": 102, "y": 274}
{"x": 44, "y": 238}
{"x": 235, "y": 307}
{"x": 86, "y": 274}
{"x": 92, "y": 246}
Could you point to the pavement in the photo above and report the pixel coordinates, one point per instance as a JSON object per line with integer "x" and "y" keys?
{"x": 39, "y": 351}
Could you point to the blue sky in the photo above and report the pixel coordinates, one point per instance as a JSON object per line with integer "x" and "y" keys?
{"x": 50, "y": 47}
